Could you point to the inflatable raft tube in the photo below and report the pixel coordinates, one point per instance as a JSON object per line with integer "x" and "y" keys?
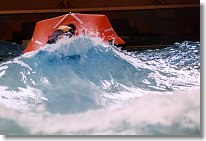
{"x": 84, "y": 23}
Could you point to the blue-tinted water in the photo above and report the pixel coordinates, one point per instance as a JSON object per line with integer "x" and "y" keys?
{"x": 82, "y": 86}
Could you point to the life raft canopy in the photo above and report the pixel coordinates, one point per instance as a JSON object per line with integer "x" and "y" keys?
{"x": 84, "y": 23}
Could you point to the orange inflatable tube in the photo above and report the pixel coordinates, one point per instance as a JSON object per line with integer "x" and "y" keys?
{"x": 85, "y": 24}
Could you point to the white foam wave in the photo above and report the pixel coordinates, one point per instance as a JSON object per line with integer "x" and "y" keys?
{"x": 21, "y": 99}
{"x": 178, "y": 113}
{"x": 74, "y": 46}
{"x": 173, "y": 78}
{"x": 137, "y": 110}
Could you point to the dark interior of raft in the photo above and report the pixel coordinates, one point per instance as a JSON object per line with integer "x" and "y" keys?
{"x": 152, "y": 23}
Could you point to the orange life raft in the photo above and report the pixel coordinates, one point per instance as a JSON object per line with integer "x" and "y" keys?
{"x": 85, "y": 23}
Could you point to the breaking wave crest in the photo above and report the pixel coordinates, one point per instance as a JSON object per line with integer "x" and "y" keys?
{"x": 83, "y": 86}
